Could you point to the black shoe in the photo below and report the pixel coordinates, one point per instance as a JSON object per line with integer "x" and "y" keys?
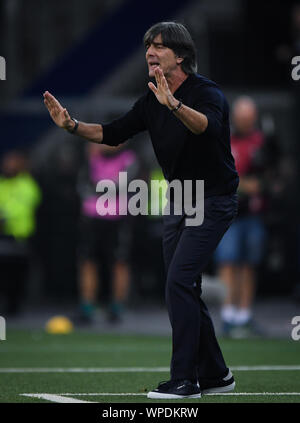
{"x": 212, "y": 386}
{"x": 176, "y": 389}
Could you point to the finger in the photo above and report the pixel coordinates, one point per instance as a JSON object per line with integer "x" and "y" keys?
{"x": 52, "y": 109}
{"x": 46, "y": 100}
{"x": 161, "y": 73}
{"x": 53, "y": 101}
{"x": 47, "y": 104}
{"x": 162, "y": 77}
{"x": 163, "y": 80}
{"x": 152, "y": 87}
{"x": 66, "y": 114}
{"x": 51, "y": 104}
{"x": 157, "y": 75}
{"x": 47, "y": 96}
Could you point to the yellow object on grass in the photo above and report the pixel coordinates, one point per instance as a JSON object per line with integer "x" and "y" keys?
{"x": 59, "y": 325}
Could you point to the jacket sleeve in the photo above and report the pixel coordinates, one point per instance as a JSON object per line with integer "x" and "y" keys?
{"x": 212, "y": 104}
{"x": 125, "y": 127}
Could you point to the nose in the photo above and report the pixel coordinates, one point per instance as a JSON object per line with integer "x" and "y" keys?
{"x": 149, "y": 51}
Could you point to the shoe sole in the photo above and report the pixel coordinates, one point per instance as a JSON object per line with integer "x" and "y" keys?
{"x": 219, "y": 389}
{"x": 158, "y": 395}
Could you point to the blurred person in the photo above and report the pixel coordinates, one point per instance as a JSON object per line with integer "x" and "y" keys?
{"x": 155, "y": 225}
{"x": 19, "y": 197}
{"x": 187, "y": 117}
{"x": 290, "y": 47}
{"x": 242, "y": 247}
{"x": 285, "y": 52}
{"x": 147, "y": 265}
{"x": 56, "y": 239}
{"x": 282, "y": 220}
{"x": 103, "y": 241}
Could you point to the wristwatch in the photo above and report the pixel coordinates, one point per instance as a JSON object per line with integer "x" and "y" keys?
{"x": 72, "y": 131}
{"x": 177, "y": 107}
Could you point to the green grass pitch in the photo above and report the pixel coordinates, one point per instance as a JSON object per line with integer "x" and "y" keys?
{"x": 27, "y": 358}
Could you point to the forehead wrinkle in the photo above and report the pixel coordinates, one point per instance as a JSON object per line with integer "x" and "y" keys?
{"x": 157, "y": 44}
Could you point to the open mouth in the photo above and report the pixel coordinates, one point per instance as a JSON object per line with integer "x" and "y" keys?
{"x": 153, "y": 64}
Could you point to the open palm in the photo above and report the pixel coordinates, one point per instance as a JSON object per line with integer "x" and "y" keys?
{"x": 162, "y": 90}
{"x": 58, "y": 113}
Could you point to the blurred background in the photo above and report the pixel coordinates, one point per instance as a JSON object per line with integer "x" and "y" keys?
{"x": 55, "y": 255}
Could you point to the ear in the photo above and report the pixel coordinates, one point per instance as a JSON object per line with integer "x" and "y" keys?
{"x": 179, "y": 60}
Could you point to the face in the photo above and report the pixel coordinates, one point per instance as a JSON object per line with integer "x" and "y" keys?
{"x": 244, "y": 116}
{"x": 159, "y": 55}
{"x": 12, "y": 164}
{"x": 296, "y": 17}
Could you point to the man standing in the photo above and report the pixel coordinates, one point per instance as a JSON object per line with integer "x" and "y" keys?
{"x": 241, "y": 249}
{"x": 188, "y": 120}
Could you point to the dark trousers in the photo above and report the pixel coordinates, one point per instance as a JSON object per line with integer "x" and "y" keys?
{"x": 187, "y": 250}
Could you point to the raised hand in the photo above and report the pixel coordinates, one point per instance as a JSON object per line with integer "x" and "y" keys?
{"x": 58, "y": 113}
{"x": 162, "y": 90}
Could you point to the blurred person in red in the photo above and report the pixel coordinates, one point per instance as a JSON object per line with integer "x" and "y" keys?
{"x": 110, "y": 258}
{"x": 19, "y": 197}
{"x": 242, "y": 247}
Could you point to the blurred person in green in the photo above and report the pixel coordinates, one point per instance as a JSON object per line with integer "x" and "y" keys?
{"x": 148, "y": 266}
{"x": 19, "y": 197}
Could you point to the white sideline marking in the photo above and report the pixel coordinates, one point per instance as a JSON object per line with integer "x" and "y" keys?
{"x": 257, "y": 393}
{"x": 54, "y": 398}
{"x": 128, "y": 369}
{"x": 63, "y": 398}
{"x": 138, "y": 394}
{"x": 262, "y": 368}
{"x": 83, "y": 370}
